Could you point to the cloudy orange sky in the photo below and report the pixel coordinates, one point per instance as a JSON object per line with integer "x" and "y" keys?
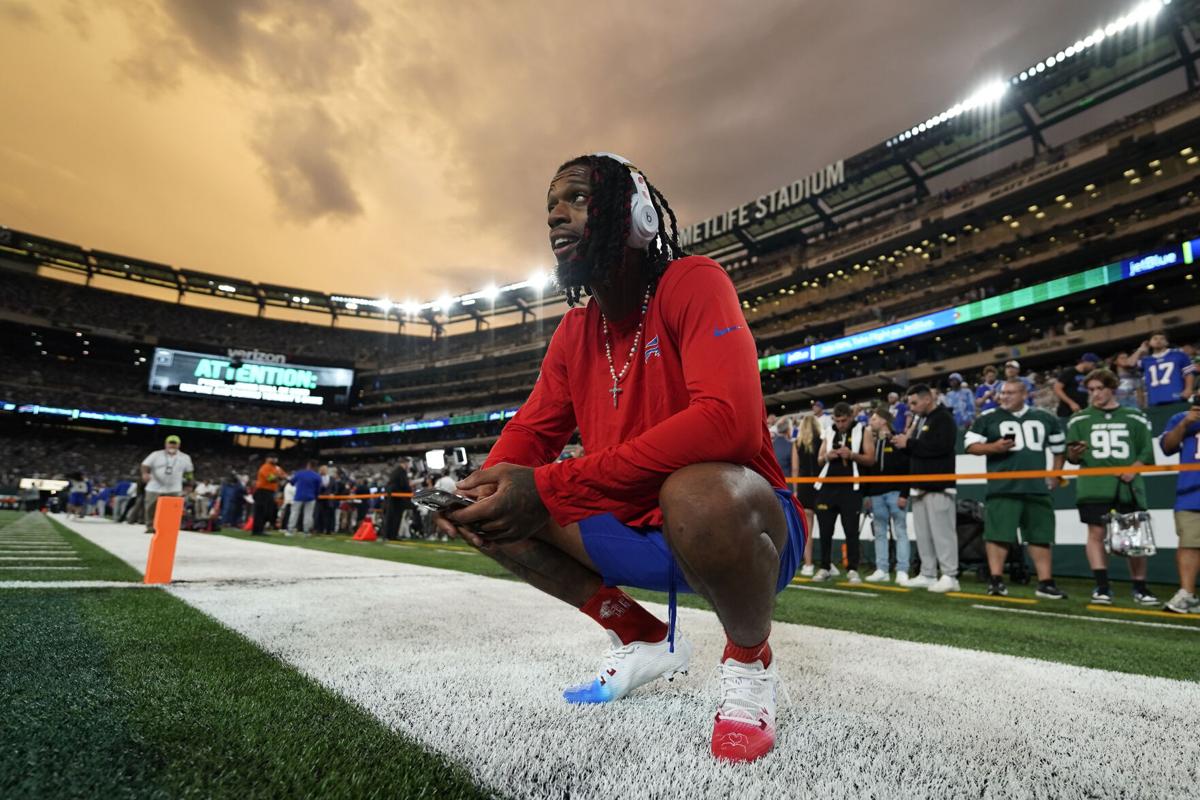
{"x": 404, "y": 148}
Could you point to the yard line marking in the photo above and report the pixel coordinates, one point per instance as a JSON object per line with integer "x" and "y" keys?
{"x": 76, "y": 585}
{"x": 1087, "y": 619}
{"x": 35, "y": 547}
{"x": 1141, "y": 612}
{"x": 39, "y": 558}
{"x": 456, "y": 552}
{"x": 36, "y": 569}
{"x": 1024, "y": 601}
{"x": 873, "y": 587}
{"x": 832, "y": 591}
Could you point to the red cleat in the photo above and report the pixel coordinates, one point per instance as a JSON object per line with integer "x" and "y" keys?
{"x": 744, "y": 729}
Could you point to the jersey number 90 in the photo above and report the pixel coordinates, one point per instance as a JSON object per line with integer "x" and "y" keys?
{"x": 1026, "y": 435}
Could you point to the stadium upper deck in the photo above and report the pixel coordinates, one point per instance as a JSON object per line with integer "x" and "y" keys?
{"x": 1111, "y": 74}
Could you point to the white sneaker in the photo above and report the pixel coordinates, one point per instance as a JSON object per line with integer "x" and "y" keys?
{"x": 945, "y": 584}
{"x": 822, "y": 575}
{"x": 878, "y": 576}
{"x": 744, "y": 729}
{"x": 852, "y": 576}
{"x": 919, "y": 582}
{"x": 833, "y": 570}
{"x": 628, "y": 666}
{"x": 901, "y": 578}
{"x": 1183, "y": 602}
{"x": 806, "y": 571}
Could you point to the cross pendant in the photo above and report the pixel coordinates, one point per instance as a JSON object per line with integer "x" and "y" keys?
{"x": 614, "y": 392}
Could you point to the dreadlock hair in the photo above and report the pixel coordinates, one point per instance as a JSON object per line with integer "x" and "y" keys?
{"x": 601, "y": 251}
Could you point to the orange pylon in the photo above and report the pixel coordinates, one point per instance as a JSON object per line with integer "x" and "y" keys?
{"x": 161, "y": 561}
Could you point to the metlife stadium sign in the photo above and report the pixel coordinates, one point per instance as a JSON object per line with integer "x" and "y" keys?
{"x": 237, "y": 377}
{"x": 767, "y": 205}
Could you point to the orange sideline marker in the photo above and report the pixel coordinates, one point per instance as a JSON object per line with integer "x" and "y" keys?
{"x": 161, "y": 561}
{"x": 365, "y": 532}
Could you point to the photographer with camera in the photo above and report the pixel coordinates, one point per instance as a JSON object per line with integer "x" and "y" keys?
{"x": 1107, "y": 434}
{"x": 1182, "y": 436}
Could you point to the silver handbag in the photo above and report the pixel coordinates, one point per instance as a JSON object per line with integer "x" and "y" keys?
{"x": 1130, "y": 535}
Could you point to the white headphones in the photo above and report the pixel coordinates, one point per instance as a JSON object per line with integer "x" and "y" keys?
{"x": 643, "y": 217}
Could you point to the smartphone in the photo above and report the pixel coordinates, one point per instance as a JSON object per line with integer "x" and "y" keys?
{"x": 439, "y": 500}
{"x": 1012, "y": 437}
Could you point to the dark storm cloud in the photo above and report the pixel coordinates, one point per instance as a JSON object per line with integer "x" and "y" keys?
{"x": 719, "y": 102}
{"x": 15, "y": 12}
{"x": 296, "y": 57}
{"x": 302, "y": 152}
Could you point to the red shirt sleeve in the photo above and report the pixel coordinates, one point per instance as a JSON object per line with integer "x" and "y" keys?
{"x": 541, "y": 428}
{"x": 722, "y": 421}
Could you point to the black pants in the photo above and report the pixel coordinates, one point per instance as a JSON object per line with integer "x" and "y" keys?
{"x": 264, "y": 509}
{"x": 832, "y": 504}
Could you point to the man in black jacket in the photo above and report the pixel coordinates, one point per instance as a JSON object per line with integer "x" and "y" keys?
{"x": 930, "y": 441}
{"x": 394, "y": 508}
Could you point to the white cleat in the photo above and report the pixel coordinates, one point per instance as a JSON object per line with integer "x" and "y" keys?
{"x": 806, "y": 571}
{"x": 878, "y": 576}
{"x": 919, "y": 582}
{"x": 744, "y": 728}
{"x": 822, "y": 575}
{"x": 628, "y": 666}
{"x": 901, "y": 578}
{"x": 852, "y": 576}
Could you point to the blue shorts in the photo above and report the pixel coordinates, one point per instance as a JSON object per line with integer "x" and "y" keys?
{"x": 639, "y": 557}
{"x": 76, "y": 499}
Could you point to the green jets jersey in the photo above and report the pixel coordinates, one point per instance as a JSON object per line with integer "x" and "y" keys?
{"x": 1115, "y": 437}
{"x": 1034, "y": 433}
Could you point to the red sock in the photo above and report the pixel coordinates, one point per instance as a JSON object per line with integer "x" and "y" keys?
{"x": 621, "y": 614}
{"x": 748, "y": 655}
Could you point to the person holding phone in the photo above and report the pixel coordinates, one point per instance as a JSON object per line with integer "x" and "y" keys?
{"x": 1107, "y": 434}
{"x": 1015, "y": 437}
{"x": 678, "y": 489}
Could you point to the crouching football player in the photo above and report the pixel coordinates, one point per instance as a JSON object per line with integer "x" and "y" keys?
{"x": 679, "y": 489}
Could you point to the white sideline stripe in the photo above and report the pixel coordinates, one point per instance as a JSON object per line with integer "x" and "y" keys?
{"x": 32, "y": 568}
{"x": 39, "y": 558}
{"x": 459, "y": 662}
{"x": 77, "y": 585}
{"x": 35, "y": 546}
{"x": 850, "y": 592}
{"x": 1193, "y": 628}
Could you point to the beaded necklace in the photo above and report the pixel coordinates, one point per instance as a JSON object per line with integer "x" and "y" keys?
{"x": 637, "y": 339}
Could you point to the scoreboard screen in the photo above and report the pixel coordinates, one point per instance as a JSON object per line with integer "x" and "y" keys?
{"x": 231, "y": 377}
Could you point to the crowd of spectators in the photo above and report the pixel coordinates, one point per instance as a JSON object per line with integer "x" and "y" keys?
{"x": 1090, "y": 413}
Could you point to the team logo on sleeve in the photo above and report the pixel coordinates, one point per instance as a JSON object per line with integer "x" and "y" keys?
{"x": 652, "y": 349}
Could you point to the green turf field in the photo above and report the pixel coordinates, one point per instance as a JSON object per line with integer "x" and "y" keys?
{"x": 919, "y": 616}
{"x": 112, "y": 693}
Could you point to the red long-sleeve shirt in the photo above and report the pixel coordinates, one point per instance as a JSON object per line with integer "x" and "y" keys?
{"x": 692, "y": 395}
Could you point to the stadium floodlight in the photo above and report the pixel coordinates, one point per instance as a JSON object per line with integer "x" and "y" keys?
{"x": 490, "y": 292}
{"x": 443, "y": 303}
{"x": 225, "y": 287}
{"x": 410, "y": 308}
{"x": 538, "y": 281}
